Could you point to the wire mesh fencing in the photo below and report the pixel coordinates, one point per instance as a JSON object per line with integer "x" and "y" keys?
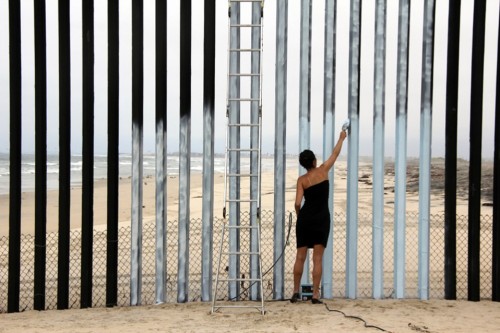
{"x": 364, "y": 271}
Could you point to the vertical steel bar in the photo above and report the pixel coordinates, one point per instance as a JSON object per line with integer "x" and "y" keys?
{"x": 64, "y": 155}
{"x": 378, "y": 150}
{"x": 255, "y": 143}
{"x": 329, "y": 135}
{"x": 184, "y": 151}
{"x": 15, "y": 155}
{"x": 476, "y": 119}
{"x": 280, "y": 145}
{"x": 161, "y": 150}
{"x": 425, "y": 151}
{"x": 113, "y": 154}
{"x": 305, "y": 94}
{"x": 495, "y": 267}
{"x": 353, "y": 158}
{"x": 305, "y": 79}
{"x": 137, "y": 151}
{"x": 40, "y": 154}
{"x": 450, "y": 175}
{"x": 234, "y": 156}
{"x": 87, "y": 152}
{"x": 208, "y": 150}
{"x": 401, "y": 140}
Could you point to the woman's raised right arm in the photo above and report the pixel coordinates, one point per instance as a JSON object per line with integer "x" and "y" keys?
{"x": 336, "y": 152}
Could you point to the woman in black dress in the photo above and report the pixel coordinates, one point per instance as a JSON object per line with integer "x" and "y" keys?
{"x": 313, "y": 219}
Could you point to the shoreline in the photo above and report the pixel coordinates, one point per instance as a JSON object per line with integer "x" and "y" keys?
{"x": 267, "y": 197}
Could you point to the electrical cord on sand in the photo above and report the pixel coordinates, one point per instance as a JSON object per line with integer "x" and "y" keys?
{"x": 287, "y": 299}
{"x": 354, "y": 317}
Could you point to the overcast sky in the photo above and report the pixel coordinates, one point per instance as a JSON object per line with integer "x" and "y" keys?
{"x": 366, "y": 93}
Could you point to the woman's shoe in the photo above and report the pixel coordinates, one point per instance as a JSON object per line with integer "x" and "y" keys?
{"x": 316, "y": 301}
{"x": 295, "y": 298}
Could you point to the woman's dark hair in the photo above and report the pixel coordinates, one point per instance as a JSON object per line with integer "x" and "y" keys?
{"x": 306, "y": 159}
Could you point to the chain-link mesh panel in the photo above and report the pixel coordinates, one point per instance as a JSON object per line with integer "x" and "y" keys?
{"x": 411, "y": 254}
{"x": 461, "y": 256}
{"x": 51, "y": 271}
{"x": 123, "y": 297}
{"x": 339, "y": 254}
{"x": 75, "y": 255}
{"x": 4, "y": 272}
{"x": 486, "y": 256}
{"x": 27, "y": 274}
{"x": 436, "y": 258}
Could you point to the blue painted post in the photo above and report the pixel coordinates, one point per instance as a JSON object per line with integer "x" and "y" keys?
{"x": 184, "y": 152}
{"x": 305, "y": 95}
{"x": 161, "y": 151}
{"x": 353, "y": 151}
{"x": 280, "y": 145}
{"x": 400, "y": 159}
{"x": 378, "y": 151}
{"x": 329, "y": 135}
{"x": 137, "y": 151}
{"x": 208, "y": 150}
{"x": 425, "y": 151}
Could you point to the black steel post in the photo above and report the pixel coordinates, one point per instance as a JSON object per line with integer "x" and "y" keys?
{"x": 113, "y": 154}
{"x": 450, "y": 177}
{"x": 476, "y": 119}
{"x": 87, "y": 152}
{"x": 64, "y": 155}
{"x": 15, "y": 155}
{"x": 40, "y": 154}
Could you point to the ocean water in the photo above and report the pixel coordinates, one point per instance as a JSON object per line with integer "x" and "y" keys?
{"x": 100, "y": 168}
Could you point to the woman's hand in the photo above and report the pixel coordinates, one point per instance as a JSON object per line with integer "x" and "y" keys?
{"x": 343, "y": 135}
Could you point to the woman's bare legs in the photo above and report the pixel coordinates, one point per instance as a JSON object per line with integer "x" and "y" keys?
{"x": 298, "y": 267}
{"x": 317, "y": 268}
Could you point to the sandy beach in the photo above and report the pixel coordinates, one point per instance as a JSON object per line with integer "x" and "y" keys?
{"x": 364, "y": 193}
{"x": 408, "y": 315}
{"x": 383, "y": 315}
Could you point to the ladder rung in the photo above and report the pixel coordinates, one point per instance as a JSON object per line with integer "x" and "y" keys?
{"x": 242, "y": 149}
{"x": 242, "y": 253}
{"x": 241, "y": 280}
{"x": 244, "y": 74}
{"x": 241, "y": 226}
{"x": 241, "y": 200}
{"x": 246, "y": 25}
{"x": 216, "y": 307}
{"x": 242, "y": 175}
{"x": 243, "y": 99}
{"x": 245, "y": 0}
{"x": 244, "y": 50}
{"x": 243, "y": 125}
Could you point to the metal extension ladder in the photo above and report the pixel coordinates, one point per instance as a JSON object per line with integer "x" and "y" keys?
{"x": 239, "y": 266}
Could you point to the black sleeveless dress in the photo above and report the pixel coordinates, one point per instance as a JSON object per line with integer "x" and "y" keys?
{"x": 313, "y": 222}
